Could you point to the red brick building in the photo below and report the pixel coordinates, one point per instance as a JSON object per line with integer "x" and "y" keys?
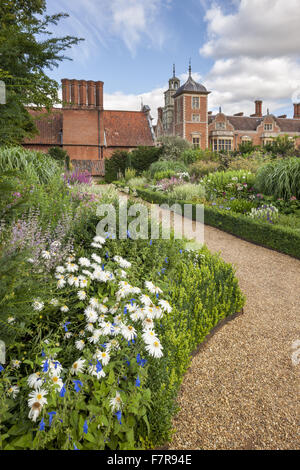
{"x": 186, "y": 115}
{"x": 87, "y": 131}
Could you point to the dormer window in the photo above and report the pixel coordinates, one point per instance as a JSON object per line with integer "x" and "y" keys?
{"x": 268, "y": 127}
{"x": 220, "y": 126}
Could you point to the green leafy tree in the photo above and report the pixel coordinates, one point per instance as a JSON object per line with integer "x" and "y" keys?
{"x": 27, "y": 49}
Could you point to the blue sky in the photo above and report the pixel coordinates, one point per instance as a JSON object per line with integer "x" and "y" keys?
{"x": 241, "y": 50}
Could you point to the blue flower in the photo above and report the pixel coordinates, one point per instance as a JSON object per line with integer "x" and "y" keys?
{"x": 85, "y": 427}
{"x": 157, "y": 296}
{"x": 42, "y": 425}
{"x": 150, "y": 242}
{"x": 1, "y": 368}
{"x": 46, "y": 366}
{"x": 125, "y": 310}
{"x": 62, "y": 391}
{"x": 119, "y": 416}
{"x": 137, "y": 382}
{"x": 163, "y": 270}
{"x": 66, "y": 325}
{"x": 103, "y": 267}
{"x": 128, "y": 234}
{"x": 128, "y": 363}
{"x": 51, "y": 416}
{"x": 98, "y": 366}
{"x": 106, "y": 255}
{"x": 77, "y": 384}
{"x": 75, "y": 448}
{"x": 131, "y": 301}
{"x": 56, "y": 363}
{"x": 43, "y": 353}
{"x": 166, "y": 260}
{"x": 180, "y": 251}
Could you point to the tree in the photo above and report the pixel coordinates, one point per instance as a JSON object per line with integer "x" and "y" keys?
{"x": 27, "y": 49}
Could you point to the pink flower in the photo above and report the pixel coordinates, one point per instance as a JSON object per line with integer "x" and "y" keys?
{"x": 293, "y": 198}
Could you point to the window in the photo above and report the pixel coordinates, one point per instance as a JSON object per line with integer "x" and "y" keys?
{"x": 220, "y": 126}
{"x": 195, "y": 102}
{"x": 196, "y": 142}
{"x": 268, "y": 127}
{"x": 196, "y": 118}
{"x": 220, "y": 145}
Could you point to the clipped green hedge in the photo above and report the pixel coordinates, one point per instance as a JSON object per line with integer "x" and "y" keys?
{"x": 282, "y": 239}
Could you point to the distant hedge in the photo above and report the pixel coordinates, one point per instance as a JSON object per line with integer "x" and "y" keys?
{"x": 139, "y": 159}
{"x": 282, "y": 239}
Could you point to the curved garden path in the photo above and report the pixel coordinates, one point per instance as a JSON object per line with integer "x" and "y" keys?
{"x": 242, "y": 390}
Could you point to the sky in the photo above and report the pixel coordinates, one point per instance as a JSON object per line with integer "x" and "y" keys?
{"x": 241, "y": 50}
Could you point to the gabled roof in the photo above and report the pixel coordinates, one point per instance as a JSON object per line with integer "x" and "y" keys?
{"x": 127, "y": 129}
{"x": 288, "y": 125}
{"x": 49, "y": 127}
{"x": 244, "y": 123}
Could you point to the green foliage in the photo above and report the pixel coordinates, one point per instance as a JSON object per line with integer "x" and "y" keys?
{"x": 202, "y": 168}
{"x": 34, "y": 167}
{"x": 136, "y": 182}
{"x": 236, "y": 183}
{"x": 141, "y": 158}
{"x": 167, "y": 174}
{"x": 191, "y": 155}
{"x": 167, "y": 165}
{"x": 60, "y": 155}
{"x": 116, "y": 165}
{"x": 251, "y": 163}
{"x": 27, "y": 49}
{"x": 188, "y": 192}
{"x": 172, "y": 147}
{"x": 277, "y": 237}
{"x": 246, "y": 147}
{"x": 129, "y": 174}
{"x": 283, "y": 146}
{"x": 280, "y": 179}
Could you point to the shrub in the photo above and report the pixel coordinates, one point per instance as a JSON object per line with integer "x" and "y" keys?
{"x": 266, "y": 213}
{"x": 60, "y": 155}
{"x": 129, "y": 174}
{"x": 137, "y": 181}
{"x": 172, "y": 147}
{"x": 188, "y": 192}
{"x": 202, "y": 168}
{"x": 31, "y": 166}
{"x": 141, "y": 158}
{"x": 283, "y": 146}
{"x": 236, "y": 183}
{"x": 280, "y": 179}
{"x": 250, "y": 164}
{"x": 194, "y": 155}
{"x": 116, "y": 165}
{"x": 166, "y": 165}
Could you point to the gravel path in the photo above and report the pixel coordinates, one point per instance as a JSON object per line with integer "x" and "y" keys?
{"x": 242, "y": 390}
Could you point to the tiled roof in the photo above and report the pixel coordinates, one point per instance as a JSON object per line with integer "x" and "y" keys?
{"x": 127, "y": 129}
{"x": 288, "y": 125}
{"x": 49, "y": 127}
{"x": 244, "y": 123}
{"x": 191, "y": 86}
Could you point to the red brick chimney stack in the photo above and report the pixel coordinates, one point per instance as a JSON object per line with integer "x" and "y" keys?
{"x": 82, "y": 93}
{"x": 258, "y": 108}
{"x": 65, "y": 92}
{"x": 91, "y": 94}
{"x": 74, "y": 93}
{"x": 297, "y": 111}
{"x": 99, "y": 95}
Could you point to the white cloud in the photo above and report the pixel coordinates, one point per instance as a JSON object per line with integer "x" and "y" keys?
{"x": 102, "y": 21}
{"x": 255, "y": 51}
{"x": 258, "y": 28}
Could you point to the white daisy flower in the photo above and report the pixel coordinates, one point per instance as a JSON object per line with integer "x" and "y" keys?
{"x": 128, "y": 332}
{"x": 116, "y": 402}
{"x": 73, "y": 281}
{"x": 15, "y": 363}
{"x": 155, "y": 348}
{"x": 11, "y": 320}
{"x": 60, "y": 269}
{"x": 145, "y": 299}
{"x": 105, "y": 328}
{"x": 91, "y": 315}
{"x": 122, "y": 262}
{"x": 68, "y": 335}
{"x": 54, "y": 302}
{"x": 152, "y": 288}
{"x": 81, "y": 295}
{"x": 96, "y": 258}
{"x": 31, "y": 260}
{"x": 99, "y": 239}
{"x": 46, "y": 254}
{"x": 94, "y": 302}
{"x": 55, "y": 367}
{"x": 95, "y": 336}
{"x": 56, "y": 381}
{"x": 13, "y": 391}
{"x": 84, "y": 262}
{"x": 34, "y": 380}
{"x": 83, "y": 282}
{"x": 165, "y": 306}
{"x": 94, "y": 373}
{"x": 72, "y": 267}
{"x": 78, "y": 366}
{"x": 37, "y": 305}
{"x": 89, "y": 327}
{"x": 102, "y": 308}
{"x": 148, "y": 323}
{"x": 61, "y": 283}
{"x": 87, "y": 273}
{"x": 64, "y": 308}
{"x": 79, "y": 344}
{"x": 149, "y": 336}
{"x": 113, "y": 345}
{"x": 104, "y": 357}
{"x": 36, "y": 402}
